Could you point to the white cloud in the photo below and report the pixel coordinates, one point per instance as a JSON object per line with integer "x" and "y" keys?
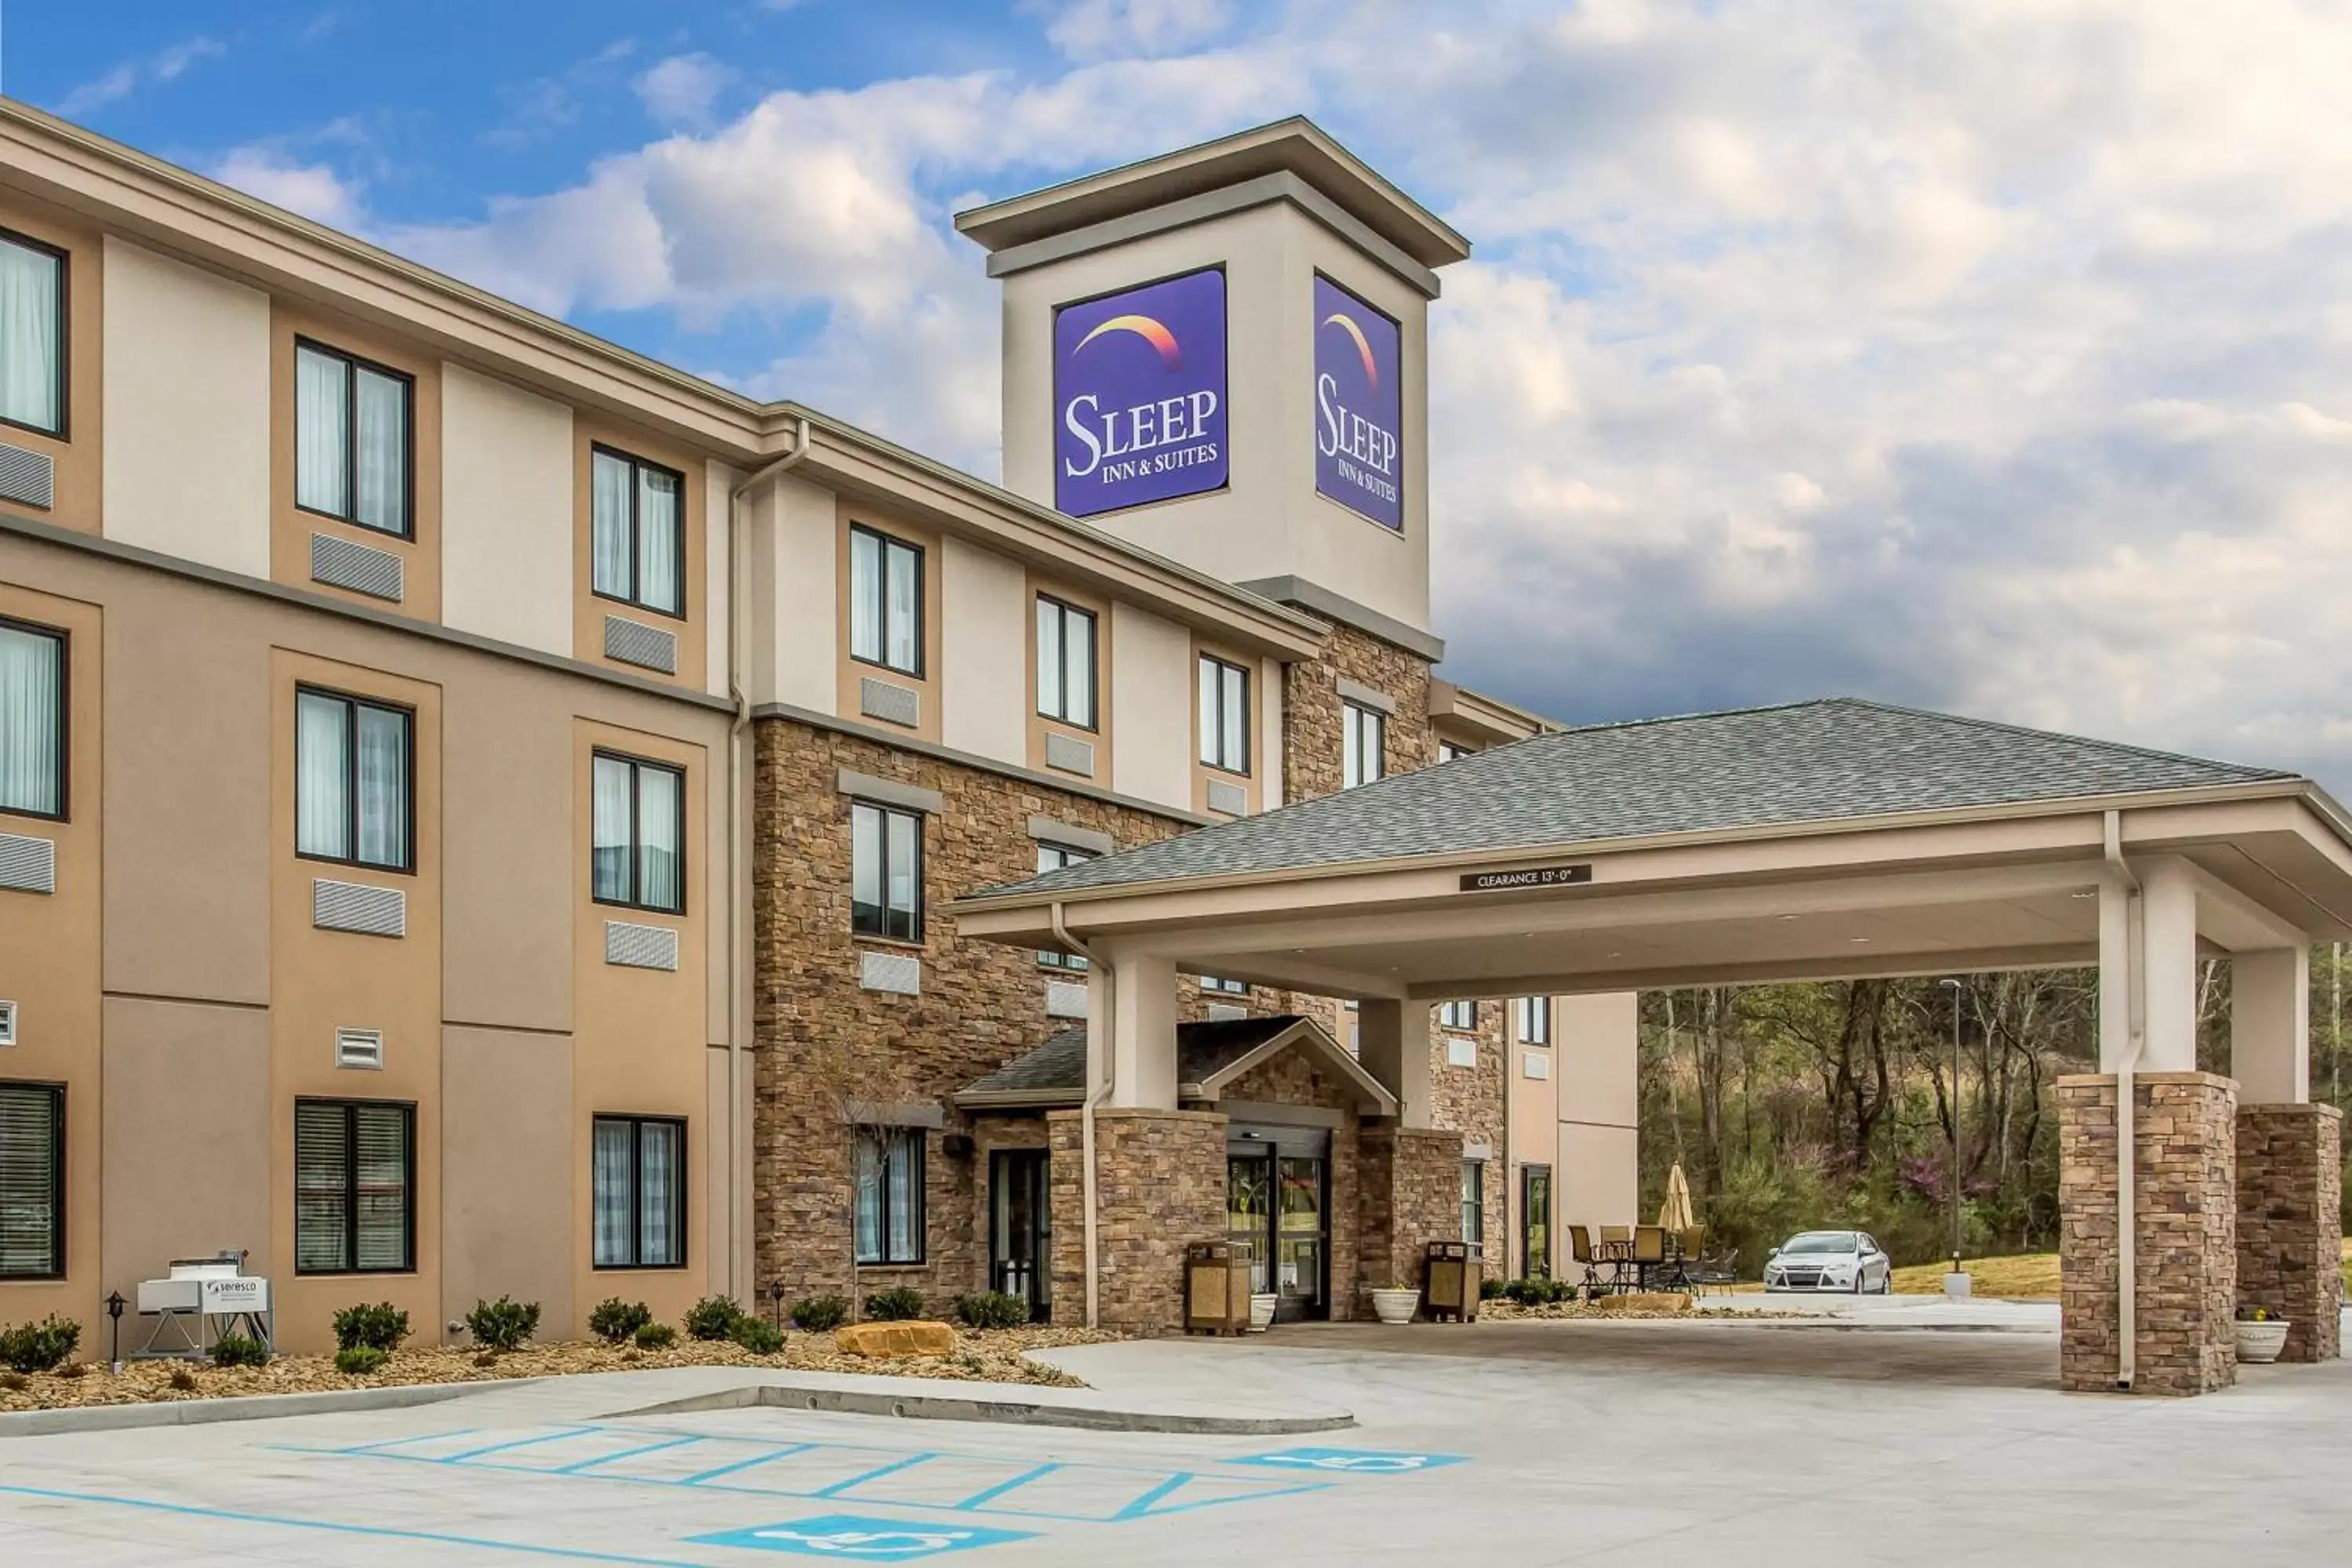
{"x": 681, "y": 89}
{"x": 167, "y": 64}
{"x": 314, "y": 190}
{"x": 1091, "y": 30}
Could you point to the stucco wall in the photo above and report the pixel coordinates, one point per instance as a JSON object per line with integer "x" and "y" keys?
{"x": 506, "y": 557}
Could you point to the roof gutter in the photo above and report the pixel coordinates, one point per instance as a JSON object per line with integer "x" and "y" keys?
{"x": 2127, "y": 1139}
{"x": 1097, "y": 1091}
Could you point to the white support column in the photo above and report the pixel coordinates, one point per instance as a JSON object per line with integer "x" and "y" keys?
{"x": 2270, "y": 1025}
{"x": 1392, "y": 1042}
{"x": 2168, "y": 943}
{"x": 1135, "y": 1027}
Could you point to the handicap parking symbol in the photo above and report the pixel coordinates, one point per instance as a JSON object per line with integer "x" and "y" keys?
{"x": 852, "y": 1539}
{"x": 1352, "y": 1461}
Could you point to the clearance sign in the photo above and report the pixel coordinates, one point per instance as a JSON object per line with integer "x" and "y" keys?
{"x": 1359, "y": 406}
{"x": 1140, "y": 394}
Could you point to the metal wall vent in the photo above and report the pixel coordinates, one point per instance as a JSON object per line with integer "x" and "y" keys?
{"x": 27, "y": 477}
{"x": 894, "y": 971}
{"x": 640, "y": 947}
{"x": 1229, "y": 798}
{"x": 1537, "y": 1065}
{"x": 7, "y": 1023}
{"x": 1461, "y": 1053}
{"x": 634, "y": 642}
{"x": 358, "y": 907}
{"x": 889, "y": 701}
{"x": 1065, "y": 999}
{"x": 1226, "y": 1012}
{"x": 362, "y": 568}
{"x": 361, "y": 1049}
{"x": 1070, "y": 756}
{"x": 27, "y": 864}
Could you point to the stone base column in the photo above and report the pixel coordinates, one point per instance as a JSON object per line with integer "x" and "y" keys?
{"x": 2290, "y": 1225}
{"x": 2186, "y": 1204}
{"x": 1160, "y": 1186}
{"x": 1408, "y": 1195}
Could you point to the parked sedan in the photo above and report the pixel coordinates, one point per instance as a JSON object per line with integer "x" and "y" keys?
{"x": 1829, "y": 1260}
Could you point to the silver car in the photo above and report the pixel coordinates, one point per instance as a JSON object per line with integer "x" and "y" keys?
{"x": 1829, "y": 1260}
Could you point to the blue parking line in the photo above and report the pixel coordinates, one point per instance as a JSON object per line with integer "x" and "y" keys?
{"x": 889, "y": 1469}
{"x": 1142, "y": 1505}
{"x": 769, "y": 1458}
{"x": 394, "y": 1442}
{"x": 989, "y": 1494}
{"x": 470, "y": 1455}
{"x": 573, "y": 1470}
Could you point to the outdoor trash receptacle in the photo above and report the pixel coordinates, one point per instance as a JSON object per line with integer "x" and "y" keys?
{"x": 1216, "y": 1288}
{"x": 1453, "y": 1270}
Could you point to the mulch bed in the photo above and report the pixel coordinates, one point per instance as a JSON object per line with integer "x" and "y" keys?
{"x": 1650, "y": 1307}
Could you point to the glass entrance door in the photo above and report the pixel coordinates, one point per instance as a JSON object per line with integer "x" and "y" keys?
{"x": 1020, "y": 1229}
{"x": 1277, "y": 1202}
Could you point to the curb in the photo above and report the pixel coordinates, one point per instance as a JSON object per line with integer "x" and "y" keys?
{"x": 240, "y": 1407}
{"x": 1006, "y": 1412}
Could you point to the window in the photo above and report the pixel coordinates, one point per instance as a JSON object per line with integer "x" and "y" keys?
{"x": 636, "y": 531}
{"x": 1474, "y": 1200}
{"x": 637, "y": 835}
{"x": 1224, "y": 715}
{"x": 1365, "y": 731}
{"x": 32, "y": 719}
{"x": 1462, "y": 1015}
{"x": 1448, "y": 751}
{"x": 354, "y": 1175}
{"x": 1535, "y": 1221}
{"x": 886, "y": 873}
{"x": 640, "y": 1186}
{"x": 32, "y": 335}
{"x": 1052, "y": 857}
{"x": 1224, "y": 988}
{"x": 32, "y": 1182}
{"x": 352, "y": 764}
{"x": 890, "y": 1195}
{"x": 886, "y": 602}
{"x": 352, "y": 455}
{"x": 1531, "y": 1019}
{"x": 1066, "y": 663}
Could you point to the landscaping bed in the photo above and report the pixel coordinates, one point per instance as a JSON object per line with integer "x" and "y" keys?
{"x": 1659, "y": 1305}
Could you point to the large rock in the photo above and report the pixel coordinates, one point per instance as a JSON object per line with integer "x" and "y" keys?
{"x": 895, "y": 1341}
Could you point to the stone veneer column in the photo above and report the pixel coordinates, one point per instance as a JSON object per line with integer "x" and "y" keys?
{"x": 1160, "y": 1186}
{"x": 2290, "y": 1226}
{"x": 2185, "y": 1144}
{"x": 1408, "y": 1195}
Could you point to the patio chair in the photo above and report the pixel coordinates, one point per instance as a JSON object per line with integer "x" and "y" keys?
{"x": 1649, "y": 1252}
{"x": 1683, "y": 1259}
{"x": 1579, "y": 1251}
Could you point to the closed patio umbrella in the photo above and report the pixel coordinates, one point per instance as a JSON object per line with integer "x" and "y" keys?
{"x": 1675, "y": 1216}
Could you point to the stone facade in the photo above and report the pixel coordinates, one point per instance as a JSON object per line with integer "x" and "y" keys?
{"x": 2290, "y": 1224}
{"x": 2186, "y": 1143}
{"x": 1312, "y": 756}
{"x": 1469, "y": 1100}
{"x": 1160, "y": 1186}
{"x": 1410, "y": 1196}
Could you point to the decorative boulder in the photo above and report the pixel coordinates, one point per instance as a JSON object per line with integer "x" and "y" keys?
{"x": 895, "y": 1341}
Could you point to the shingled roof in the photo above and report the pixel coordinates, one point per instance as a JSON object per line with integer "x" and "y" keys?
{"x": 1831, "y": 759}
{"x": 1055, "y": 1072}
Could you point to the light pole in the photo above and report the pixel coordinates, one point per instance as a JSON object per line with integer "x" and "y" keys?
{"x": 1955, "y": 988}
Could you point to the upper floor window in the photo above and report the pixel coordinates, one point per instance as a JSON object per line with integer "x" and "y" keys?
{"x": 353, "y": 767}
{"x": 637, "y": 837}
{"x": 1066, "y": 662}
{"x": 32, "y": 1180}
{"x": 1532, "y": 1018}
{"x": 32, "y": 334}
{"x": 1447, "y": 751}
{"x": 1052, "y": 857}
{"x": 886, "y": 601}
{"x": 1364, "y": 733}
{"x": 639, "y": 1181}
{"x": 355, "y": 1177}
{"x": 1224, "y": 988}
{"x": 636, "y": 531}
{"x": 1224, "y": 715}
{"x": 32, "y": 719}
{"x": 1460, "y": 1015}
{"x": 351, "y": 438}
{"x": 886, "y": 873}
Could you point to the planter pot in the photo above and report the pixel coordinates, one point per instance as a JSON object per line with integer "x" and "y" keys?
{"x": 2259, "y": 1343}
{"x": 1395, "y": 1306}
{"x": 1260, "y": 1313}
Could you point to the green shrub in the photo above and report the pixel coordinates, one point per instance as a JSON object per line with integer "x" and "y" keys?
{"x": 992, "y": 1310}
{"x": 239, "y": 1349}
{"x": 1490, "y": 1289}
{"x": 820, "y": 1314}
{"x": 378, "y": 1328}
{"x": 505, "y": 1324}
{"x": 615, "y": 1320}
{"x": 656, "y": 1337}
{"x": 713, "y": 1318}
{"x": 895, "y": 1305}
{"x": 359, "y": 1360}
{"x": 39, "y": 1347}
{"x": 758, "y": 1335}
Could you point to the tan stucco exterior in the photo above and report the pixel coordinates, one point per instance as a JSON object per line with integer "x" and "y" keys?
{"x": 77, "y": 453}
{"x": 508, "y": 484}
{"x": 589, "y": 610}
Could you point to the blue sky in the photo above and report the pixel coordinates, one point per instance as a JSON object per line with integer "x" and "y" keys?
{"x": 1986, "y": 354}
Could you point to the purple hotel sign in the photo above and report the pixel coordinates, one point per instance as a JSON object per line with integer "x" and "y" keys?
{"x": 1359, "y": 406}
{"x": 1140, "y": 394}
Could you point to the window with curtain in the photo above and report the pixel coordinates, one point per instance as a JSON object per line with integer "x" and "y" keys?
{"x": 886, "y": 873}
{"x": 32, "y": 719}
{"x": 351, "y": 445}
{"x": 636, "y": 833}
{"x": 1363, "y": 733}
{"x": 32, "y": 334}
{"x": 1532, "y": 1015}
{"x": 1224, "y": 715}
{"x": 1474, "y": 1200}
{"x": 1461, "y": 1015}
{"x": 890, "y": 1195}
{"x": 639, "y": 1180}
{"x": 32, "y": 1180}
{"x": 1066, "y": 662}
{"x": 353, "y": 771}
{"x": 1052, "y": 857}
{"x": 886, "y": 602}
{"x": 354, "y": 1186}
{"x": 636, "y": 531}
{"x": 1535, "y": 1221}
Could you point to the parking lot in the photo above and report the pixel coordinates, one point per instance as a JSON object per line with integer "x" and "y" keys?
{"x": 1522, "y": 1443}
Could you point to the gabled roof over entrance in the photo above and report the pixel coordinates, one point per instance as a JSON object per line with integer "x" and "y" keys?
{"x": 1209, "y": 1057}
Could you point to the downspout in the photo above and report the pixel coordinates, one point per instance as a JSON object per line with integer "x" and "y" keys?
{"x": 2126, "y": 1151}
{"x": 1096, "y": 1092}
{"x": 738, "y": 918}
